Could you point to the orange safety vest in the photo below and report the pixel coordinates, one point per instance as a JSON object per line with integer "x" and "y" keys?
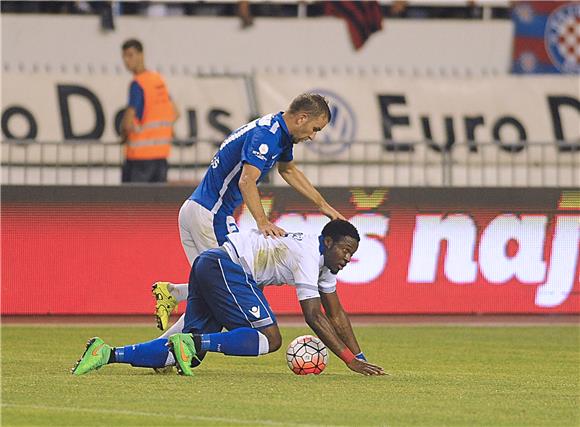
{"x": 153, "y": 135}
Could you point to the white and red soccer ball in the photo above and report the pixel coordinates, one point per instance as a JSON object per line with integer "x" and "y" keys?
{"x": 307, "y": 355}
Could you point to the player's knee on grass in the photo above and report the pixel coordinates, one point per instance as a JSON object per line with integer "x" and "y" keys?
{"x": 272, "y": 333}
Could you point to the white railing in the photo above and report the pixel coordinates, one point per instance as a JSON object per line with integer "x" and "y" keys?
{"x": 362, "y": 163}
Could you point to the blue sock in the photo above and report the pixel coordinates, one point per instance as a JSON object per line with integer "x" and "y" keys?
{"x": 237, "y": 342}
{"x": 150, "y": 354}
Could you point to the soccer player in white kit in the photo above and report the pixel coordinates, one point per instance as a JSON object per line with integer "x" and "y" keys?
{"x": 225, "y": 291}
{"x": 244, "y": 158}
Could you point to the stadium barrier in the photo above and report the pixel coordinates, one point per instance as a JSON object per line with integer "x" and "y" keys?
{"x": 372, "y": 164}
{"x": 97, "y": 250}
{"x": 385, "y": 130}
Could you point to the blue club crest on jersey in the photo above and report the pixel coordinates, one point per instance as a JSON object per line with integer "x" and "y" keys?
{"x": 562, "y": 38}
{"x": 341, "y": 131}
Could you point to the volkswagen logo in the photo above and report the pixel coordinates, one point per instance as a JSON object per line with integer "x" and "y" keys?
{"x": 341, "y": 131}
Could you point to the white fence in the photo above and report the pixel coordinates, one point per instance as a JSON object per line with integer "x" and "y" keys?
{"x": 381, "y": 164}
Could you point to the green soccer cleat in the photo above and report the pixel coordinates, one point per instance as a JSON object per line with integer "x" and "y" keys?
{"x": 183, "y": 349}
{"x": 165, "y": 304}
{"x": 95, "y": 356}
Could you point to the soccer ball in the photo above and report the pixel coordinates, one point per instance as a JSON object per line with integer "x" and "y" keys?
{"x": 307, "y": 355}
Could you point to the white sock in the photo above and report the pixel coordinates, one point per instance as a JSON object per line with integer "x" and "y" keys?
{"x": 179, "y": 291}
{"x": 176, "y": 328}
{"x": 263, "y": 345}
{"x": 170, "y": 361}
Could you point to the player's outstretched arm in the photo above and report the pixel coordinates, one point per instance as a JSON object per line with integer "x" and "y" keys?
{"x": 251, "y": 195}
{"x": 320, "y": 324}
{"x": 365, "y": 368}
{"x": 339, "y": 320}
{"x": 341, "y": 323}
{"x": 297, "y": 180}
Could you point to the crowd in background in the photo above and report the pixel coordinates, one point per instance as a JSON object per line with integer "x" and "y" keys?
{"x": 247, "y": 9}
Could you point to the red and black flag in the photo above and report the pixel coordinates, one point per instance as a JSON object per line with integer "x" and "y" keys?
{"x": 363, "y": 18}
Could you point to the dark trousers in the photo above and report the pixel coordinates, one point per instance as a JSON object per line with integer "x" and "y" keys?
{"x": 145, "y": 170}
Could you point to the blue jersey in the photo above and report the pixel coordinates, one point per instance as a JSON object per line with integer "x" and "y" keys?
{"x": 260, "y": 143}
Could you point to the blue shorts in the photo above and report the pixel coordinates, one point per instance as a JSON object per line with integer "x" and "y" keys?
{"x": 222, "y": 295}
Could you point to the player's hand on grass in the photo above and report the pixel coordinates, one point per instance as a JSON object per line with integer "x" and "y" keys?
{"x": 365, "y": 368}
{"x": 330, "y": 212}
{"x": 269, "y": 229}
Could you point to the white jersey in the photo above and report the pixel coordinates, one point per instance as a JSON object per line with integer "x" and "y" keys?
{"x": 294, "y": 260}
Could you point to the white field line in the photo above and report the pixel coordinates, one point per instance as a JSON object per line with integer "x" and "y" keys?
{"x": 164, "y": 416}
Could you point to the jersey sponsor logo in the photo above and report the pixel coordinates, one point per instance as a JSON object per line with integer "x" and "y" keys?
{"x": 263, "y": 149}
{"x": 341, "y": 131}
{"x": 296, "y": 236}
{"x": 275, "y": 127}
{"x": 215, "y": 161}
{"x": 259, "y": 155}
{"x": 562, "y": 38}
{"x": 255, "y": 311}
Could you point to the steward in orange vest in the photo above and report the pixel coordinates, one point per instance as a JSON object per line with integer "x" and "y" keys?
{"x": 152, "y": 135}
{"x": 147, "y": 126}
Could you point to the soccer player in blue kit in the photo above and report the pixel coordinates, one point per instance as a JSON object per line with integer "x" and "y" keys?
{"x": 225, "y": 291}
{"x": 243, "y": 159}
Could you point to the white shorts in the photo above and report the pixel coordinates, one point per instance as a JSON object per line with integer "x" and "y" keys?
{"x": 196, "y": 229}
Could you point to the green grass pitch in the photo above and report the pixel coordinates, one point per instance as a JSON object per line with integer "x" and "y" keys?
{"x": 440, "y": 376}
